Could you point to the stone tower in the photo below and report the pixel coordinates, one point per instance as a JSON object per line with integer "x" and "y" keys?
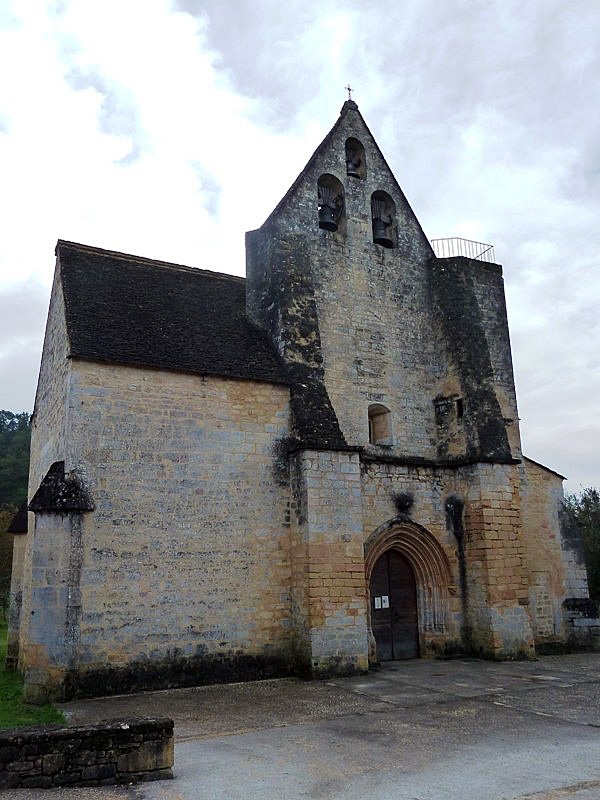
{"x": 404, "y": 359}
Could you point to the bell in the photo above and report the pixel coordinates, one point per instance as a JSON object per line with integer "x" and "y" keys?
{"x": 353, "y": 165}
{"x": 327, "y": 218}
{"x": 380, "y": 235}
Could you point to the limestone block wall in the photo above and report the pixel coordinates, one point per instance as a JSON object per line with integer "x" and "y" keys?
{"x": 488, "y": 288}
{"x": 329, "y": 582}
{"x": 49, "y": 648}
{"x": 48, "y": 424}
{"x": 15, "y": 600}
{"x": 496, "y": 555}
{"x": 49, "y": 421}
{"x": 472, "y": 330}
{"x": 555, "y": 559}
{"x": 185, "y": 563}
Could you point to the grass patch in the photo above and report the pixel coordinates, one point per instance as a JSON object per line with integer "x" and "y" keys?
{"x": 14, "y": 712}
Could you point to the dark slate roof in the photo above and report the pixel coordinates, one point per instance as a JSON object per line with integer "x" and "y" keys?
{"x": 129, "y": 310}
{"x": 61, "y": 493}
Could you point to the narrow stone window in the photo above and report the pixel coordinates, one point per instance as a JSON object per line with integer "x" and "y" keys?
{"x": 330, "y": 203}
{"x": 460, "y": 408}
{"x": 383, "y": 214}
{"x": 380, "y": 425}
{"x": 356, "y": 165}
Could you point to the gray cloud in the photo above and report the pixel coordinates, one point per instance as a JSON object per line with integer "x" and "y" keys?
{"x": 209, "y": 187}
{"x": 118, "y": 114}
{"x": 23, "y": 312}
{"x": 260, "y": 49}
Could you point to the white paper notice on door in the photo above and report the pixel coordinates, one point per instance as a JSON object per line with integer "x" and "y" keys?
{"x": 385, "y": 601}
{"x": 378, "y": 602}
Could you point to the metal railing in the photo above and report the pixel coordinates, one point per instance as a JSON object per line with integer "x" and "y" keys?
{"x": 455, "y": 246}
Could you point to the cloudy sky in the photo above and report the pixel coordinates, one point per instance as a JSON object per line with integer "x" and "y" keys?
{"x": 167, "y": 128}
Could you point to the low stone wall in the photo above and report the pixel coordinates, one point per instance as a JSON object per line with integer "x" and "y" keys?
{"x": 106, "y": 753}
{"x": 583, "y": 623}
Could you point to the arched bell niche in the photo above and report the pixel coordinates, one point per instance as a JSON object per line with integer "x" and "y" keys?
{"x": 356, "y": 165}
{"x": 330, "y": 199}
{"x": 383, "y": 215}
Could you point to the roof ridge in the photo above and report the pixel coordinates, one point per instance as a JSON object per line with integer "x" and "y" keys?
{"x": 144, "y": 260}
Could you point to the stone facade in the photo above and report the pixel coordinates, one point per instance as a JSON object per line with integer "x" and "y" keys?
{"x": 218, "y": 467}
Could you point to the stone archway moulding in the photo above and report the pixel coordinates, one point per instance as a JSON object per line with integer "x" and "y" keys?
{"x": 428, "y": 561}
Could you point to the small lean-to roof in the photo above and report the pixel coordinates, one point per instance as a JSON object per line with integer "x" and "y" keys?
{"x": 124, "y": 309}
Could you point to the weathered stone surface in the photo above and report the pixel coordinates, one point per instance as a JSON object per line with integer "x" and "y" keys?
{"x": 145, "y": 758}
{"x": 37, "y": 782}
{"x": 142, "y": 750}
{"x": 52, "y": 763}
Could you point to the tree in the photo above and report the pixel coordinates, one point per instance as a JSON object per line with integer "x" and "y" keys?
{"x": 15, "y": 437}
{"x": 586, "y": 509}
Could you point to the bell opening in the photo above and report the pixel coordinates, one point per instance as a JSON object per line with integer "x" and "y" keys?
{"x": 384, "y": 241}
{"x": 330, "y": 203}
{"x": 380, "y": 235}
{"x": 355, "y": 159}
{"x": 383, "y": 213}
{"x": 327, "y": 219}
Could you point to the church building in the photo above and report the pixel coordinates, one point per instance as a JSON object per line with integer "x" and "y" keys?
{"x": 308, "y": 471}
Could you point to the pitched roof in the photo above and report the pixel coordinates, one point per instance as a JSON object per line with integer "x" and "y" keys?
{"x": 136, "y": 311}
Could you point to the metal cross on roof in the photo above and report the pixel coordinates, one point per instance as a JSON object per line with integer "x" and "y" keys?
{"x": 349, "y": 90}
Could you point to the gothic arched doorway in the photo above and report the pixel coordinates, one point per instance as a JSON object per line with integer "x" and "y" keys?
{"x": 419, "y": 565}
{"x": 394, "y": 621}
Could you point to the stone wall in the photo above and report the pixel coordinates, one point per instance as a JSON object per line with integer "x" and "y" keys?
{"x": 48, "y": 425}
{"x": 542, "y": 495}
{"x": 495, "y": 552}
{"x": 105, "y": 753}
{"x": 15, "y": 600}
{"x": 329, "y": 585}
{"x": 49, "y": 420}
{"x": 582, "y": 622}
{"x": 560, "y": 607}
{"x": 183, "y": 572}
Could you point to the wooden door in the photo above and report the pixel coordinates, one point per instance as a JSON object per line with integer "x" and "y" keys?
{"x": 394, "y": 608}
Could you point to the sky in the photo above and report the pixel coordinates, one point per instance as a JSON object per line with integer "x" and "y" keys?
{"x": 167, "y": 128}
